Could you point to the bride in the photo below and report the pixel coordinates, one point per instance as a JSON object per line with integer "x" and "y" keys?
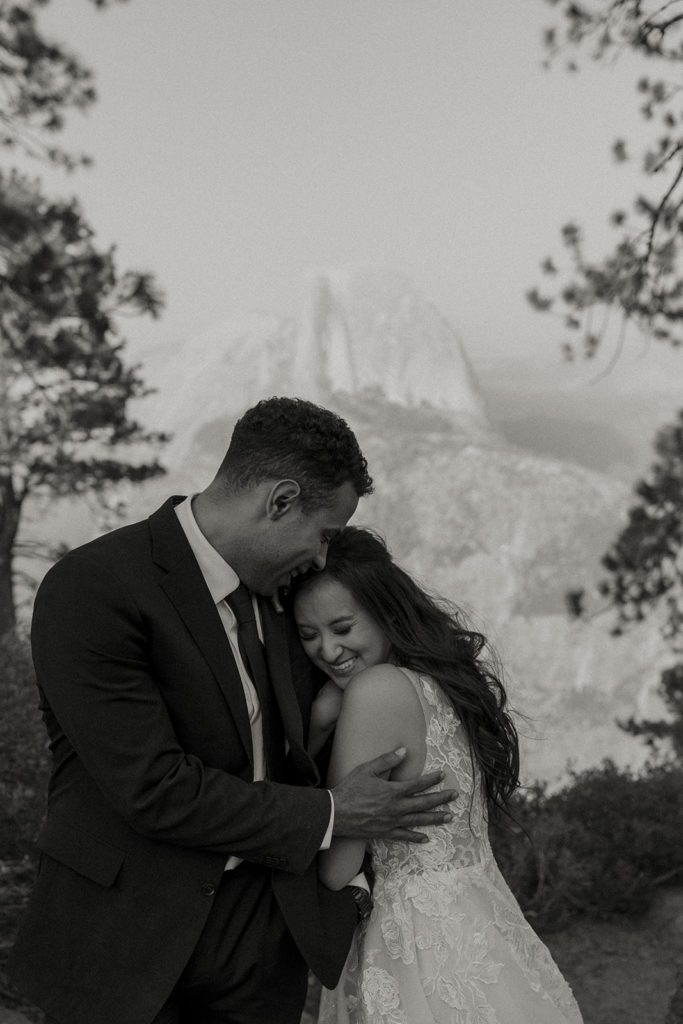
{"x": 445, "y": 941}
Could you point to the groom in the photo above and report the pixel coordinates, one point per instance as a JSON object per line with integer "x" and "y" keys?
{"x": 177, "y": 880}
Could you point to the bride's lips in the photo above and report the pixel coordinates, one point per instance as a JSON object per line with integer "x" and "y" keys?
{"x": 344, "y": 667}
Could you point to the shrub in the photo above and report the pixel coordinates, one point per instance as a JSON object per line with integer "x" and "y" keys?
{"x": 23, "y": 741}
{"x": 599, "y": 847}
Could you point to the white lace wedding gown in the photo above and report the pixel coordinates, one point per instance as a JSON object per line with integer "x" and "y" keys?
{"x": 446, "y": 942}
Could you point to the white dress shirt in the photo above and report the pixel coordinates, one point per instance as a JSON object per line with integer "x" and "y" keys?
{"x": 221, "y": 579}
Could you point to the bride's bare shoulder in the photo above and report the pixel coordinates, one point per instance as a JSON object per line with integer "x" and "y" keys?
{"x": 380, "y": 685}
{"x": 382, "y": 705}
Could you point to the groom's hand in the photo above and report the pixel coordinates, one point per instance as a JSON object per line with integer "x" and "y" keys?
{"x": 369, "y": 806}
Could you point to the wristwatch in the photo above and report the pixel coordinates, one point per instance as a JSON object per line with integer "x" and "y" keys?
{"x": 363, "y": 901}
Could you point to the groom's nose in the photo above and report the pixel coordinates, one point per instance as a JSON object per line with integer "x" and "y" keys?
{"x": 321, "y": 558}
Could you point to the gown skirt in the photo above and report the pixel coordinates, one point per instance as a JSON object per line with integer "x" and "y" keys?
{"x": 446, "y": 942}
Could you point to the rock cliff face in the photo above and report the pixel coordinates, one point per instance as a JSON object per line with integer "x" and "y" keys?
{"x": 500, "y": 530}
{"x": 365, "y": 337}
{"x": 505, "y": 533}
{"x": 364, "y": 332}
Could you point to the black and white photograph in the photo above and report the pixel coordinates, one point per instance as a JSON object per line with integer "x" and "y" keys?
{"x": 341, "y": 512}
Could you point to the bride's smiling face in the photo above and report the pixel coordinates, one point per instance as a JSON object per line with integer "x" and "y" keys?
{"x": 337, "y": 634}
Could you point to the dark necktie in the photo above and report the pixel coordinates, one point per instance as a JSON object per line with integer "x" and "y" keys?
{"x": 254, "y": 658}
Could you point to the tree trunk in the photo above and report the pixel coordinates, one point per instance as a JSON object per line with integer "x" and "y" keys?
{"x": 10, "y": 510}
{"x": 8, "y": 618}
{"x": 10, "y": 507}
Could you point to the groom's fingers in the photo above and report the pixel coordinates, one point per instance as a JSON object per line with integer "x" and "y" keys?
{"x": 391, "y": 759}
{"x": 410, "y": 793}
{"x": 421, "y": 809}
{"x": 411, "y": 787}
{"x": 385, "y": 762}
{"x": 413, "y": 820}
{"x": 407, "y": 835}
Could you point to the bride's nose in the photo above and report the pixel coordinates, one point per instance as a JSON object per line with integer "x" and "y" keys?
{"x": 331, "y": 649}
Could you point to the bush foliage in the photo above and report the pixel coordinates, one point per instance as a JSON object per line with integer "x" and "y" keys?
{"x": 25, "y": 759}
{"x": 599, "y": 847}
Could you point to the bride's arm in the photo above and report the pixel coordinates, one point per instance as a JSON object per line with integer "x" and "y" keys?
{"x": 324, "y": 715}
{"x": 373, "y": 719}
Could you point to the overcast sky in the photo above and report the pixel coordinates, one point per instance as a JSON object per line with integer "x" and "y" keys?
{"x": 239, "y": 143}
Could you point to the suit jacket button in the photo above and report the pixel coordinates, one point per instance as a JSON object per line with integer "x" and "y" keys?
{"x": 207, "y": 889}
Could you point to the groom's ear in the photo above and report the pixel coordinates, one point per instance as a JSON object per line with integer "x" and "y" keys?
{"x": 282, "y": 497}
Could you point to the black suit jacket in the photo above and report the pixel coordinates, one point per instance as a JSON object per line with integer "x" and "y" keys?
{"x": 150, "y": 790}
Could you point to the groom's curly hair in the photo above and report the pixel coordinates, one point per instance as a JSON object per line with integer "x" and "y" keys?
{"x": 291, "y": 438}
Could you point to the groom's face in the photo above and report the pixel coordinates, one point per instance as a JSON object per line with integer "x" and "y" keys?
{"x": 296, "y": 541}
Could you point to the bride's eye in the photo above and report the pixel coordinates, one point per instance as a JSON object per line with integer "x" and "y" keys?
{"x": 342, "y": 630}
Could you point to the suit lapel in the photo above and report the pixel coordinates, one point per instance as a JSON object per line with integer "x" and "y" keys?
{"x": 185, "y": 587}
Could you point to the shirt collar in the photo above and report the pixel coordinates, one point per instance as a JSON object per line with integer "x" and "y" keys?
{"x": 221, "y": 578}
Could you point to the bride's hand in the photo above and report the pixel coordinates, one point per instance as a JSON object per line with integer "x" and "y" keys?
{"x": 327, "y": 705}
{"x": 324, "y": 715}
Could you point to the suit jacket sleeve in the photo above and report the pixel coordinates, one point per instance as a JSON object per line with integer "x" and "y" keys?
{"x": 91, "y": 646}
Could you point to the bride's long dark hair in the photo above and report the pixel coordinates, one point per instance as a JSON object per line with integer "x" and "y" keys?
{"x": 430, "y": 635}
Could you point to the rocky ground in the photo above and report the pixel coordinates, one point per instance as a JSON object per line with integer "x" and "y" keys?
{"x": 621, "y": 972}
